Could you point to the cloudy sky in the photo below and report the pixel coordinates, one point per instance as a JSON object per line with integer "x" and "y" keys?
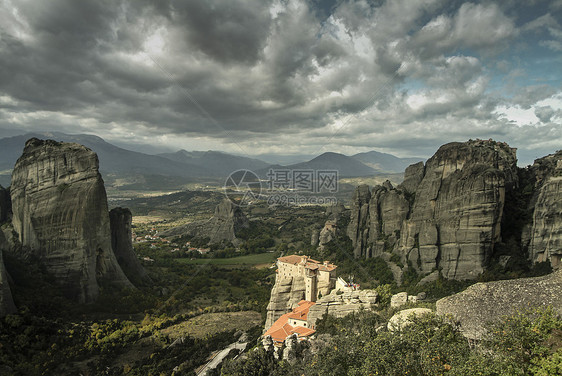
{"x": 285, "y": 76}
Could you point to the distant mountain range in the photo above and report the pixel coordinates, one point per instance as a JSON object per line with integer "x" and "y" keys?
{"x": 121, "y": 166}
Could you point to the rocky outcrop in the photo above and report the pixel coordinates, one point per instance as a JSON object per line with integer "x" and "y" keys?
{"x": 228, "y": 220}
{"x": 543, "y": 237}
{"x": 358, "y": 228}
{"x": 5, "y": 204}
{"x": 340, "y": 304}
{"x": 285, "y": 295}
{"x": 7, "y": 305}
{"x": 488, "y": 302}
{"x": 328, "y": 233}
{"x": 379, "y": 215}
{"x": 456, "y": 216}
{"x": 446, "y": 215}
{"x": 61, "y": 217}
{"x": 222, "y": 227}
{"x": 413, "y": 177}
{"x": 402, "y": 319}
{"x": 122, "y": 244}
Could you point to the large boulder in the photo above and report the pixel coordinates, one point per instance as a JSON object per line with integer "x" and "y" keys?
{"x": 60, "y": 214}
{"x": 403, "y": 318}
{"x": 122, "y": 245}
{"x": 489, "y": 302}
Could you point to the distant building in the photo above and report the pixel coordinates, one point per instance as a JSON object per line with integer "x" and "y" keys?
{"x": 320, "y": 277}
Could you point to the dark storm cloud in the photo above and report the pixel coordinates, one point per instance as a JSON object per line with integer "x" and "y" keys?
{"x": 231, "y": 31}
{"x": 275, "y": 74}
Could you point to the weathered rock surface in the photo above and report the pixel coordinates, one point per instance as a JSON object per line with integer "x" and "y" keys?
{"x": 404, "y": 318}
{"x": 379, "y": 215}
{"x": 455, "y": 219}
{"x": 60, "y": 214}
{"x": 357, "y": 229}
{"x": 228, "y": 220}
{"x": 5, "y": 204}
{"x": 342, "y": 304}
{"x": 488, "y": 302}
{"x": 7, "y": 305}
{"x": 334, "y": 211}
{"x": 122, "y": 244}
{"x": 285, "y": 295}
{"x": 222, "y": 227}
{"x": 544, "y": 237}
{"x": 328, "y": 233}
{"x": 413, "y": 177}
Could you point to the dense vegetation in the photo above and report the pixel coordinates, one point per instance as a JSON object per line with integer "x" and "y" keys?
{"x": 527, "y": 343}
{"x": 122, "y": 332}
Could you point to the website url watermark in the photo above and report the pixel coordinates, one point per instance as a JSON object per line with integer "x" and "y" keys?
{"x": 292, "y": 200}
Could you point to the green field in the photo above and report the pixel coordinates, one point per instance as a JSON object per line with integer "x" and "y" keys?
{"x": 257, "y": 259}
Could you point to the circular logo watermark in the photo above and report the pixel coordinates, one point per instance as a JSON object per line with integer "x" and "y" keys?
{"x": 242, "y": 187}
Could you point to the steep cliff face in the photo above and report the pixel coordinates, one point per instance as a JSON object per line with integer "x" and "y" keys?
{"x": 5, "y": 204}
{"x": 357, "y": 229}
{"x": 6, "y": 302}
{"x": 543, "y": 237}
{"x": 122, "y": 245}
{"x": 340, "y": 304}
{"x": 446, "y": 215}
{"x": 228, "y": 220}
{"x": 60, "y": 214}
{"x": 285, "y": 295}
{"x": 458, "y": 209}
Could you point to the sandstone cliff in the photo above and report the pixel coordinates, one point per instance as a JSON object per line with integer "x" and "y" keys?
{"x": 488, "y": 302}
{"x": 446, "y": 215}
{"x": 122, "y": 245}
{"x": 60, "y": 213}
{"x": 227, "y": 220}
{"x": 285, "y": 295}
{"x": 6, "y": 303}
{"x": 340, "y": 304}
{"x": 5, "y": 204}
{"x": 543, "y": 237}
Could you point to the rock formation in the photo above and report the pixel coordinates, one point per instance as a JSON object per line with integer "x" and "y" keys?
{"x": 5, "y": 204}
{"x": 285, "y": 295}
{"x": 7, "y": 305}
{"x": 543, "y": 237}
{"x": 122, "y": 244}
{"x": 60, "y": 213}
{"x": 446, "y": 215}
{"x": 228, "y": 220}
{"x": 488, "y": 302}
{"x": 340, "y": 304}
{"x": 358, "y": 228}
{"x": 222, "y": 227}
{"x": 402, "y": 319}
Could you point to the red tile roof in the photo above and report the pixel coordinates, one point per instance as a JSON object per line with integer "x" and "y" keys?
{"x": 281, "y": 328}
{"x": 307, "y": 262}
{"x": 301, "y": 312}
